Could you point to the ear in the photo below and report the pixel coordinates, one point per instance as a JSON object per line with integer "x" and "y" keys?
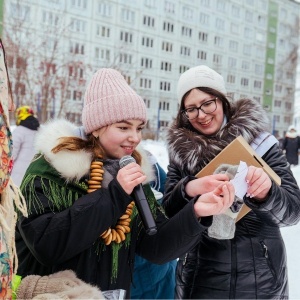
{"x": 95, "y": 134}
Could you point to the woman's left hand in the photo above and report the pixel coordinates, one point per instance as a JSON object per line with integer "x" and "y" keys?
{"x": 259, "y": 183}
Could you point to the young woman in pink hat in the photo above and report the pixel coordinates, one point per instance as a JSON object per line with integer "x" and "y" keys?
{"x": 82, "y": 216}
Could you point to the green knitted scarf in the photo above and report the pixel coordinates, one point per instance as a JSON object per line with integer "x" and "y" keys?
{"x": 62, "y": 194}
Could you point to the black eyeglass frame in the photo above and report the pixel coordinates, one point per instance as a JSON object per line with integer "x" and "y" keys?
{"x": 184, "y": 112}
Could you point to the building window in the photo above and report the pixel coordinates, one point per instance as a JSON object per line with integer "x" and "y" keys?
{"x": 166, "y": 66}
{"x": 249, "y": 16}
{"x": 203, "y": 36}
{"x": 18, "y": 11}
{"x": 125, "y": 58}
{"x": 148, "y": 103}
{"x": 217, "y": 59}
{"x": 233, "y": 46}
{"x": 146, "y": 63}
{"x": 149, "y": 21}
{"x": 277, "y": 103}
{"x": 169, "y": 27}
{"x": 78, "y": 25}
{"x": 169, "y": 7}
{"x": 202, "y": 55}
{"x": 183, "y": 68}
{"x": 165, "y": 86}
{"x": 185, "y": 51}
{"x": 234, "y": 28}
{"x": 220, "y": 24}
{"x": 127, "y": 15}
{"x": 167, "y": 46}
{"x": 235, "y": 11}
{"x": 50, "y": 18}
{"x": 218, "y": 41}
{"x": 147, "y": 42}
{"x": 163, "y": 105}
{"x": 244, "y": 81}
{"x": 187, "y": 13}
{"x": 278, "y": 88}
{"x": 145, "y": 83}
{"x": 258, "y": 69}
{"x": 104, "y": 9}
{"x": 150, "y": 3}
{"x": 245, "y": 65}
{"x": 103, "y": 31}
{"x": 287, "y": 120}
{"x": 79, "y": 4}
{"x": 126, "y": 37}
{"x": 288, "y": 106}
{"x": 186, "y": 31}
{"x": 204, "y": 19}
{"x": 248, "y": 33}
{"x": 232, "y": 62}
{"x": 102, "y": 54}
{"x": 257, "y": 84}
{"x": 230, "y": 78}
{"x": 76, "y": 48}
{"x": 247, "y": 50}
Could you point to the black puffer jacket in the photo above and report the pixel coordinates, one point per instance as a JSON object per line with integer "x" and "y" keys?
{"x": 253, "y": 264}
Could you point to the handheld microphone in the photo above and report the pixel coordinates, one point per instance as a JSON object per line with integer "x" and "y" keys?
{"x": 141, "y": 201}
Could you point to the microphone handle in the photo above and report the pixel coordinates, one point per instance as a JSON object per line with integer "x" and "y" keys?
{"x": 143, "y": 208}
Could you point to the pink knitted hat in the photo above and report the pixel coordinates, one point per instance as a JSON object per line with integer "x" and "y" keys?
{"x": 109, "y": 99}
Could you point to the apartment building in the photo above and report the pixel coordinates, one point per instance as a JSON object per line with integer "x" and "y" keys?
{"x": 251, "y": 43}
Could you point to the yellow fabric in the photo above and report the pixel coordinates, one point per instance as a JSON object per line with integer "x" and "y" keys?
{"x": 22, "y": 113}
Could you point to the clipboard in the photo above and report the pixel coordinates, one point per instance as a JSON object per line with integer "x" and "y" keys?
{"x": 239, "y": 150}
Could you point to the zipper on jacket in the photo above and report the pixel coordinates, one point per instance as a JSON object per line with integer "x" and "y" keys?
{"x": 185, "y": 258}
{"x": 268, "y": 259}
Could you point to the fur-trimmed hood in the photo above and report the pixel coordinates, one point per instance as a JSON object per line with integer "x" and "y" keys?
{"x": 191, "y": 150}
{"x": 72, "y": 165}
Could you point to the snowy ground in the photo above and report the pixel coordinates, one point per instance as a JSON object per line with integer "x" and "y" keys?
{"x": 291, "y": 235}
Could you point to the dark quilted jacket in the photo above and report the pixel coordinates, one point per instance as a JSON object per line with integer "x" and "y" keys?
{"x": 253, "y": 264}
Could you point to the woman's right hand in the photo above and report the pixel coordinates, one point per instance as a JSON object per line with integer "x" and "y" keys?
{"x": 130, "y": 176}
{"x": 204, "y": 184}
{"x": 215, "y": 202}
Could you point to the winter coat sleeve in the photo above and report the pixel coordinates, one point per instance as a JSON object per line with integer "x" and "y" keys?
{"x": 174, "y": 238}
{"x": 56, "y": 236}
{"x": 282, "y": 206}
{"x": 17, "y": 137}
{"x": 175, "y": 198}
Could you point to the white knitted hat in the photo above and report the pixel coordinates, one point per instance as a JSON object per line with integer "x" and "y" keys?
{"x": 200, "y": 76}
{"x": 109, "y": 99}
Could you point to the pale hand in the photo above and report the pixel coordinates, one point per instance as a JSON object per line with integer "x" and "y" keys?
{"x": 215, "y": 202}
{"x": 259, "y": 183}
{"x": 204, "y": 184}
{"x": 130, "y": 176}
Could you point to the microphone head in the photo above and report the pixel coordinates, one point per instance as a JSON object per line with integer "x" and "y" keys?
{"x": 125, "y": 160}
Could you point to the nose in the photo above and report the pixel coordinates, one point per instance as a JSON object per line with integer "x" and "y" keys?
{"x": 201, "y": 114}
{"x": 134, "y": 136}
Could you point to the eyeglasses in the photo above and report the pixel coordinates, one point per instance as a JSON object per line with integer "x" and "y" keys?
{"x": 207, "y": 107}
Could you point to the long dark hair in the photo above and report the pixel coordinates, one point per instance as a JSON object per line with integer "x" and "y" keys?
{"x": 182, "y": 121}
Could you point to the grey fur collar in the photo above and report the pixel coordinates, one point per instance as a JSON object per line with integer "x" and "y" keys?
{"x": 191, "y": 151}
{"x": 72, "y": 165}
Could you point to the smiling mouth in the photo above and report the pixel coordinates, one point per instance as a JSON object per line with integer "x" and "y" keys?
{"x": 206, "y": 123}
{"x": 127, "y": 148}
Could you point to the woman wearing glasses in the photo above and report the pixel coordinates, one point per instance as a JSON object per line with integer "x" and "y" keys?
{"x": 252, "y": 264}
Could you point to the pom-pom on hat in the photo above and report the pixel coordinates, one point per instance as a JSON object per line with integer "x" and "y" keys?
{"x": 109, "y": 99}
{"x": 200, "y": 76}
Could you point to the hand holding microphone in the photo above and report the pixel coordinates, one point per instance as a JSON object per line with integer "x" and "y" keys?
{"x": 140, "y": 200}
